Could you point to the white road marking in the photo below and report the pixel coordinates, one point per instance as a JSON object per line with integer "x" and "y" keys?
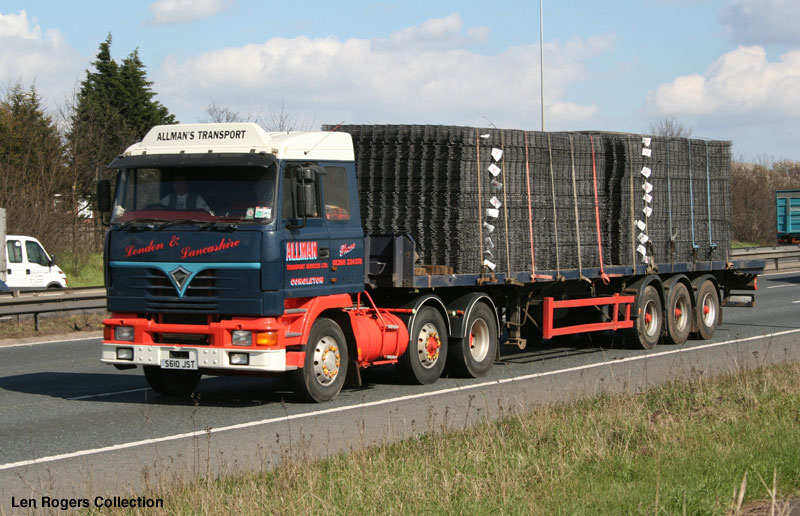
{"x": 4, "y": 346}
{"x": 781, "y": 286}
{"x": 346, "y": 408}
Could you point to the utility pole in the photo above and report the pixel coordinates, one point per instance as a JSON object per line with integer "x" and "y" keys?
{"x": 541, "y": 57}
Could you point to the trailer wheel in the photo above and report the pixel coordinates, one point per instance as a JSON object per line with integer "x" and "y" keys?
{"x": 473, "y": 355}
{"x": 171, "y": 382}
{"x": 648, "y": 326}
{"x": 425, "y": 356}
{"x": 679, "y": 313}
{"x": 322, "y": 376}
{"x": 707, "y": 309}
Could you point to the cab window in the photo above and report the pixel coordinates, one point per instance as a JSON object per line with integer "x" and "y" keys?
{"x": 337, "y": 202}
{"x": 14, "y": 251}
{"x": 36, "y": 254}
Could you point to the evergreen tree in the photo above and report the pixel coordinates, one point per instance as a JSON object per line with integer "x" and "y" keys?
{"x": 114, "y": 108}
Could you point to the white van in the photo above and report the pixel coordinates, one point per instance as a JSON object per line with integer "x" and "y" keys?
{"x": 28, "y": 266}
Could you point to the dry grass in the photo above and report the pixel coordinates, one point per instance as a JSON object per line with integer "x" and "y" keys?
{"x": 51, "y": 324}
{"x": 678, "y": 449}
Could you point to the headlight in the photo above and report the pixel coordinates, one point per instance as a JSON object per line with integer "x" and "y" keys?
{"x": 242, "y": 338}
{"x": 124, "y": 353}
{"x": 239, "y": 358}
{"x": 124, "y": 333}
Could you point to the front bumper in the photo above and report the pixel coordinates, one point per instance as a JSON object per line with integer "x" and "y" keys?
{"x": 260, "y": 360}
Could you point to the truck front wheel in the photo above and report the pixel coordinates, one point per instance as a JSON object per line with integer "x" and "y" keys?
{"x": 424, "y": 359}
{"x": 169, "y": 382}
{"x": 323, "y": 373}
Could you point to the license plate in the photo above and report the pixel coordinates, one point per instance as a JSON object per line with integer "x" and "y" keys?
{"x": 178, "y": 363}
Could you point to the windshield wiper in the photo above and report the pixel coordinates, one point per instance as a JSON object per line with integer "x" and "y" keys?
{"x": 219, "y": 226}
{"x": 177, "y": 221}
{"x": 131, "y": 222}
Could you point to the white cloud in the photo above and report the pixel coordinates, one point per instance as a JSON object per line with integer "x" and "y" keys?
{"x": 420, "y": 74}
{"x": 762, "y": 22}
{"x": 28, "y": 56}
{"x": 742, "y": 81}
{"x": 182, "y": 11}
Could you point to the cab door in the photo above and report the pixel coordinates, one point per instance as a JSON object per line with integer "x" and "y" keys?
{"x": 306, "y": 246}
{"x": 343, "y": 218}
{"x": 37, "y": 264}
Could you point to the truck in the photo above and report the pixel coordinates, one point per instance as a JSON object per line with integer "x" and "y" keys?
{"x": 787, "y": 215}
{"x": 236, "y": 251}
{"x": 25, "y": 265}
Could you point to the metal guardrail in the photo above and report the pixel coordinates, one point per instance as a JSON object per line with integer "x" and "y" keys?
{"x": 52, "y": 300}
{"x": 774, "y": 255}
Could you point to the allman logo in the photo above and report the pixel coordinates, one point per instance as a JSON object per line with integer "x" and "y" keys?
{"x": 345, "y": 248}
{"x": 296, "y": 251}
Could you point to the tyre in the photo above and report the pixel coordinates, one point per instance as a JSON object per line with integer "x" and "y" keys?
{"x": 323, "y": 373}
{"x": 679, "y": 313}
{"x": 425, "y": 356}
{"x": 707, "y": 309}
{"x": 171, "y": 382}
{"x": 473, "y": 355}
{"x": 648, "y": 326}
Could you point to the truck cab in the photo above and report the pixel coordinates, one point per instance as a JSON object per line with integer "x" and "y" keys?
{"x": 29, "y": 267}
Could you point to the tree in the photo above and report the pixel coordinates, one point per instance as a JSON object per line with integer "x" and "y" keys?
{"x": 32, "y": 165}
{"x": 669, "y": 126}
{"x": 114, "y": 108}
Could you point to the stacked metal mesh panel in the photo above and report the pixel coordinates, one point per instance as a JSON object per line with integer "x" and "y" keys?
{"x": 576, "y": 195}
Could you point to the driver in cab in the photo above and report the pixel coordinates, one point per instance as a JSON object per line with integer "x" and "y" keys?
{"x": 183, "y": 199}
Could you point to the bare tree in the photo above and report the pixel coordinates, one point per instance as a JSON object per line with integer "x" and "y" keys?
{"x": 218, "y": 113}
{"x": 669, "y": 126}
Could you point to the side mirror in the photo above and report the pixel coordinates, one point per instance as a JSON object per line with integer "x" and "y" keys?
{"x": 52, "y": 262}
{"x": 304, "y": 193}
{"x": 104, "y": 196}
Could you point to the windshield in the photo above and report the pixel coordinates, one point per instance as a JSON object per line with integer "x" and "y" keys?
{"x": 202, "y": 194}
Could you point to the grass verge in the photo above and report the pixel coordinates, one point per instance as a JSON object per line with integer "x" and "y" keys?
{"x": 683, "y": 448}
{"x": 85, "y": 271}
{"x": 51, "y": 324}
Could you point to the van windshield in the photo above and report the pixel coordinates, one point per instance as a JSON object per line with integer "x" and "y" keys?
{"x": 245, "y": 193}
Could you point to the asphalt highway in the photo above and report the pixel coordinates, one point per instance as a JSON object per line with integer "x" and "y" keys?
{"x": 73, "y": 427}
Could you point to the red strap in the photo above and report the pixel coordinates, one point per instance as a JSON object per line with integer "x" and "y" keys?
{"x": 603, "y": 274}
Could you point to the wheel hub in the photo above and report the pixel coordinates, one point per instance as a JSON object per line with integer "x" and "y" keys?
{"x": 429, "y": 345}
{"x": 327, "y": 360}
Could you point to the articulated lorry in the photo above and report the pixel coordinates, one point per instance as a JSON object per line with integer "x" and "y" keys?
{"x": 232, "y": 250}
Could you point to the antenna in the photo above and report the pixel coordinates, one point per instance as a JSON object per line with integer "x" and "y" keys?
{"x": 305, "y": 153}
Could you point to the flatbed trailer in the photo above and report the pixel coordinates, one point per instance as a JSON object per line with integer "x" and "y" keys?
{"x": 282, "y": 269}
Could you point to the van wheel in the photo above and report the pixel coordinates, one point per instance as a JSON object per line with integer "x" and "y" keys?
{"x": 679, "y": 313}
{"x": 425, "y": 356}
{"x": 707, "y": 309}
{"x": 473, "y": 355}
{"x": 171, "y": 382}
{"x": 325, "y": 367}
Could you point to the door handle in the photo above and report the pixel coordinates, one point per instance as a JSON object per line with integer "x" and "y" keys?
{"x": 27, "y": 271}
{"x": 324, "y": 252}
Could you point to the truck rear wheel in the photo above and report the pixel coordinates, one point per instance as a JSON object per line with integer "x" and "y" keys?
{"x": 425, "y": 356}
{"x": 679, "y": 313}
{"x": 473, "y": 355}
{"x": 648, "y": 326}
{"x": 171, "y": 382}
{"x": 707, "y": 309}
{"x": 323, "y": 373}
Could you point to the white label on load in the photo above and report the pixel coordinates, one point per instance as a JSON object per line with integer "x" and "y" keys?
{"x": 485, "y": 136}
{"x": 488, "y": 242}
{"x": 641, "y": 225}
{"x": 641, "y": 250}
{"x": 645, "y": 141}
{"x": 646, "y": 171}
{"x": 492, "y": 212}
{"x": 494, "y": 201}
{"x": 647, "y": 198}
{"x": 496, "y": 184}
{"x": 497, "y": 154}
{"x": 489, "y": 264}
{"x": 647, "y": 152}
{"x": 647, "y": 187}
{"x": 647, "y": 211}
{"x": 488, "y": 227}
{"x": 643, "y": 238}
{"x": 494, "y": 169}
{"x": 489, "y": 252}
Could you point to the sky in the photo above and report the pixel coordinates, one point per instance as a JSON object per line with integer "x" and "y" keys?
{"x": 727, "y": 69}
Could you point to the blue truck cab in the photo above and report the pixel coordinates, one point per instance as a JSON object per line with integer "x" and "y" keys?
{"x": 224, "y": 238}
